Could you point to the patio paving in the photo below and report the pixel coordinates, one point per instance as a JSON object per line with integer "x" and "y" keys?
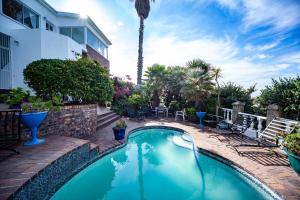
{"x": 272, "y": 170}
{"x": 17, "y": 169}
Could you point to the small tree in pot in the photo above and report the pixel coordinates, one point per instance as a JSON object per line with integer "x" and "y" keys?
{"x": 119, "y": 129}
{"x": 291, "y": 146}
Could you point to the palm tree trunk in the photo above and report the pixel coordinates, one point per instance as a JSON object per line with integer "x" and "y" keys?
{"x": 140, "y": 52}
{"x": 218, "y": 103}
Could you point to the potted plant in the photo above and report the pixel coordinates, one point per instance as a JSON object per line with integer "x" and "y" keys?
{"x": 291, "y": 146}
{"x": 15, "y": 98}
{"x": 119, "y": 129}
{"x": 34, "y": 111}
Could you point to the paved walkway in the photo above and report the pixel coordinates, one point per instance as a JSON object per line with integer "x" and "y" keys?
{"x": 17, "y": 169}
{"x": 272, "y": 170}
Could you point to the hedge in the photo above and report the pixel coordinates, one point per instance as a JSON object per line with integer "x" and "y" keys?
{"x": 83, "y": 80}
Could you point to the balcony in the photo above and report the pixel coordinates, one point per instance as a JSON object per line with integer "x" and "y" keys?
{"x": 95, "y": 55}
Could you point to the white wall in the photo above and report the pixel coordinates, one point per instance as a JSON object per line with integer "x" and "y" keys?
{"x": 35, "y": 44}
{"x": 26, "y": 49}
{"x": 60, "y": 46}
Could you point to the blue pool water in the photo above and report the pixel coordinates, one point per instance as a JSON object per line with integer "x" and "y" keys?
{"x": 157, "y": 165}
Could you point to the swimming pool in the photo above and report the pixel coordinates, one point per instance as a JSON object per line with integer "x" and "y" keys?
{"x": 159, "y": 163}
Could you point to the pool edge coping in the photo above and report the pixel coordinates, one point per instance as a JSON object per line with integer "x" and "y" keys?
{"x": 246, "y": 173}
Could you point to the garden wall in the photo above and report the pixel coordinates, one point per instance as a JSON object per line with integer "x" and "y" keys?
{"x": 75, "y": 121}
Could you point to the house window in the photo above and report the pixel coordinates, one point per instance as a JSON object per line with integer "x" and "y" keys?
{"x": 49, "y": 26}
{"x": 76, "y": 33}
{"x": 95, "y": 43}
{"x": 20, "y": 13}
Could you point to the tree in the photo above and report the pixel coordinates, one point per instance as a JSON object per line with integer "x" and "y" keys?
{"x": 284, "y": 92}
{"x": 142, "y": 8}
{"x": 155, "y": 84}
{"x": 175, "y": 79}
{"x": 217, "y": 74}
{"x": 198, "y": 85}
{"x": 230, "y": 93}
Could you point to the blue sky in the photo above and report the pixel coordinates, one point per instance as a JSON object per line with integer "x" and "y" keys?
{"x": 252, "y": 41}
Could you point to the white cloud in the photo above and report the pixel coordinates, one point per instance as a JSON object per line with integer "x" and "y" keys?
{"x": 293, "y": 58}
{"x": 260, "y": 56}
{"x": 231, "y": 4}
{"x": 279, "y": 14}
{"x": 170, "y": 50}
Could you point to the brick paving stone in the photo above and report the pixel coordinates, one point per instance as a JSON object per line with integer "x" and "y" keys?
{"x": 19, "y": 168}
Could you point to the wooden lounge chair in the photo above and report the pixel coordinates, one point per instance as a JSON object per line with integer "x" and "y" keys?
{"x": 269, "y": 138}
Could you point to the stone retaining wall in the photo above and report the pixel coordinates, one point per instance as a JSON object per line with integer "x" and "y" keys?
{"x": 75, "y": 121}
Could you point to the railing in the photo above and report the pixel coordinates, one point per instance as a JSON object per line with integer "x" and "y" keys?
{"x": 227, "y": 114}
{"x": 5, "y": 64}
{"x": 254, "y": 123}
{"x": 10, "y": 128}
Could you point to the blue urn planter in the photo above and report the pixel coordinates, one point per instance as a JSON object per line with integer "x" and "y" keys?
{"x": 119, "y": 133}
{"x": 294, "y": 161}
{"x": 33, "y": 121}
{"x": 200, "y": 115}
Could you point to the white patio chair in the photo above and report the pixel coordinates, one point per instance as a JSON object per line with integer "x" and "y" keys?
{"x": 180, "y": 113}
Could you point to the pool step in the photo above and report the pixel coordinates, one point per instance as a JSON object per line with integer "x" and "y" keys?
{"x": 182, "y": 142}
{"x": 106, "y": 119}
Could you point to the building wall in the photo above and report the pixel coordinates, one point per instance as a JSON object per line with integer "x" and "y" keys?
{"x": 60, "y": 47}
{"x": 34, "y": 44}
{"x": 28, "y": 45}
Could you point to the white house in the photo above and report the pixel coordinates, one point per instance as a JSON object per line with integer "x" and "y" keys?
{"x": 32, "y": 29}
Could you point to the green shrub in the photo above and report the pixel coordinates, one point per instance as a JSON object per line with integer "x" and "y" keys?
{"x": 36, "y": 104}
{"x": 121, "y": 123}
{"x": 191, "y": 114}
{"x": 120, "y": 106}
{"x": 83, "y": 80}
{"x": 292, "y": 143}
{"x": 136, "y": 101}
{"x": 16, "y": 96}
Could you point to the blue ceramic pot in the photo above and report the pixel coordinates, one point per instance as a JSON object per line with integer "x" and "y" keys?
{"x": 294, "y": 161}
{"x": 33, "y": 121}
{"x": 119, "y": 133}
{"x": 200, "y": 115}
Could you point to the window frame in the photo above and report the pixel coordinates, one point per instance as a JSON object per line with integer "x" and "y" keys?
{"x": 99, "y": 42}
{"x": 50, "y": 25}
{"x": 27, "y": 7}
{"x": 71, "y": 32}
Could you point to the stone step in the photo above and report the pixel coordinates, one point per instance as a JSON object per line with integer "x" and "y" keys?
{"x": 105, "y": 114}
{"x": 106, "y": 117}
{"x": 107, "y": 122}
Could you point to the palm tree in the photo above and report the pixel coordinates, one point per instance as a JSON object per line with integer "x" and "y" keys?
{"x": 142, "y": 8}
{"x": 198, "y": 85}
{"x": 156, "y": 75}
{"x": 217, "y": 74}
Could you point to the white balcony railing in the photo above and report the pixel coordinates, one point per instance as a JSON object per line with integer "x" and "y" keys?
{"x": 253, "y": 123}
{"x": 227, "y": 115}
{"x": 250, "y": 125}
